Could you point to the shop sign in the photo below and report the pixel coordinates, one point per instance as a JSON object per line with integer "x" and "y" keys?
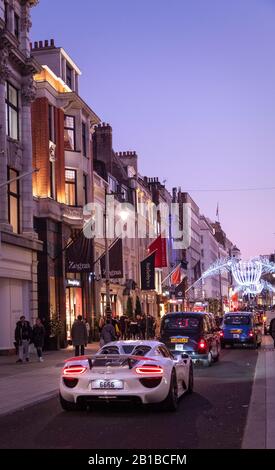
{"x": 73, "y": 283}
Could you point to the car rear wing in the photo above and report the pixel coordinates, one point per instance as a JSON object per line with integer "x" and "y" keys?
{"x": 108, "y": 360}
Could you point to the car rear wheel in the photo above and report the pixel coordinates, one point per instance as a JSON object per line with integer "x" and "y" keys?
{"x": 216, "y": 358}
{"x": 171, "y": 401}
{"x": 67, "y": 405}
{"x": 207, "y": 362}
{"x": 191, "y": 380}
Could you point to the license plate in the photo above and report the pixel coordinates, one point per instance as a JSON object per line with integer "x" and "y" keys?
{"x": 178, "y": 347}
{"x": 102, "y": 384}
{"x": 179, "y": 340}
{"x": 236, "y": 331}
{"x": 236, "y": 336}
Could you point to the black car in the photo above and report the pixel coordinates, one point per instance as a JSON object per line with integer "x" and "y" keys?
{"x": 194, "y": 333}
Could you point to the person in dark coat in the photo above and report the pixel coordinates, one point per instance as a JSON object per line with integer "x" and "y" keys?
{"x": 108, "y": 333}
{"x": 38, "y": 336}
{"x": 272, "y": 329}
{"x": 23, "y": 337}
{"x": 79, "y": 335}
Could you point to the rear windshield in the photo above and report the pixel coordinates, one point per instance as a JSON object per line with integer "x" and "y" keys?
{"x": 181, "y": 323}
{"x": 237, "y": 320}
{"x": 141, "y": 350}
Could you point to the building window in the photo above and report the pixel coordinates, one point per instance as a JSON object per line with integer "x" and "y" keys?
{"x": 69, "y": 75}
{"x": 16, "y": 25}
{"x": 69, "y": 133}
{"x": 70, "y": 187}
{"x": 52, "y": 180}
{"x": 52, "y": 136}
{"x": 85, "y": 189}
{"x": 84, "y": 140}
{"x": 13, "y": 200}
{"x": 6, "y": 14}
{"x": 12, "y": 112}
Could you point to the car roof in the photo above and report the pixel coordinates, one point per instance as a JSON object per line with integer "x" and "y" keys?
{"x": 138, "y": 342}
{"x": 172, "y": 314}
{"x": 239, "y": 313}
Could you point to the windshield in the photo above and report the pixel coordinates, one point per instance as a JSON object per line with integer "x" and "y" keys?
{"x": 181, "y": 323}
{"x": 237, "y": 320}
{"x": 134, "y": 350}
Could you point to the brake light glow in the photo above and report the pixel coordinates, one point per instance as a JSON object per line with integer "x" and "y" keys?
{"x": 221, "y": 334}
{"x": 202, "y": 344}
{"x": 250, "y": 333}
{"x": 149, "y": 369}
{"x": 73, "y": 370}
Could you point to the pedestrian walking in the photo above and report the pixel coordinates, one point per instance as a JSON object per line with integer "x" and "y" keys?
{"x": 79, "y": 335}
{"x": 272, "y": 329}
{"x": 38, "y": 336}
{"x": 23, "y": 337}
{"x": 108, "y": 333}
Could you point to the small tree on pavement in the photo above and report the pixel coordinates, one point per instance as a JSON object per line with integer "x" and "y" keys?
{"x": 129, "y": 308}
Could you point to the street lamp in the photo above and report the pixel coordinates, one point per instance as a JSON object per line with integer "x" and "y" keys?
{"x": 124, "y": 216}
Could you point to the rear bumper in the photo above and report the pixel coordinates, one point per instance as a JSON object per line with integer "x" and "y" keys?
{"x": 244, "y": 340}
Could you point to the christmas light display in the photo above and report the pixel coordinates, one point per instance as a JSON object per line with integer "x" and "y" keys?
{"x": 246, "y": 274}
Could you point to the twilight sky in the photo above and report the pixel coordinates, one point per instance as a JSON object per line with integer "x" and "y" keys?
{"x": 189, "y": 85}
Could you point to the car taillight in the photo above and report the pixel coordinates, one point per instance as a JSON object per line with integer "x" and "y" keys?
{"x": 149, "y": 369}
{"x": 73, "y": 370}
{"x": 221, "y": 334}
{"x": 202, "y": 344}
{"x": 250, "y": 333}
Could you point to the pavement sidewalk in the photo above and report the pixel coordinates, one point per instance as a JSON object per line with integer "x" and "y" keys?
{"x": 260, "y": 425}
{"x": 26, "y": 384}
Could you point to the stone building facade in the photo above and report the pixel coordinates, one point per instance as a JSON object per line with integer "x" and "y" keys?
{"x": 18, "y": 242}
{"x": 62, "y": 148}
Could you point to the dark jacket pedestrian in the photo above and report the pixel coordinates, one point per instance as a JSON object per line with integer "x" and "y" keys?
{"x": 108, "y": 333}
{"x": 272, "y": 329}
{"x": 23, "y": 338}
{"x": 79, "y": 335}
{"x": 38, "y": 336}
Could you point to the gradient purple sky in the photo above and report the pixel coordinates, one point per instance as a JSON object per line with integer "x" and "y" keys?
{"x": 189, "y": 85}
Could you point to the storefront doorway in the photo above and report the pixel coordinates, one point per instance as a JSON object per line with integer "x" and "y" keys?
{"x": 74, "y": 304}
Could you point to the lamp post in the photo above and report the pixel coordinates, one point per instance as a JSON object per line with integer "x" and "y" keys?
{"x": 108, "y": 308}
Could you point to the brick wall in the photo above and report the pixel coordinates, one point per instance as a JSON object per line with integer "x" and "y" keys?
{"x": 60, "y": 156}
{"x": 40, "y": 137}
{"x": 40, "y": 141}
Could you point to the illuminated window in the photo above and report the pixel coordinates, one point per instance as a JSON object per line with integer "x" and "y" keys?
{"x": 13, "y": 200}
{"x": 70, "y": 187}
{"x": 69, "y": 133}
{"x": 12, "y": 112}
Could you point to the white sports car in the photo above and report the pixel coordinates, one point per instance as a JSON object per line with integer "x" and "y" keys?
{"x": 140, "y": 371}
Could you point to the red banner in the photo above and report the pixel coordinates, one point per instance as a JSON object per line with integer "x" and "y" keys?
{"x": 159, "y": 246}
{"x": 176, "y": 276}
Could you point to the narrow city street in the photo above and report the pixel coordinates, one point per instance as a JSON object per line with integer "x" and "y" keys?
{"x": 214, "y": 416}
